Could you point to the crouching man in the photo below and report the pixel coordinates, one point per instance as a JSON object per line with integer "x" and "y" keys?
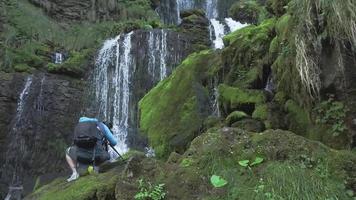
{"x": 91, "y": 138}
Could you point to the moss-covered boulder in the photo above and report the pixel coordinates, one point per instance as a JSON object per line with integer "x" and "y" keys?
{"x": 234, "y": 98}
{"x": 247, "y": 11}
{"x": 234, "y": 117}
{"x": 272, "y": 164}
{"x": 247, "y": 57}
{"x": 173, "y": 112}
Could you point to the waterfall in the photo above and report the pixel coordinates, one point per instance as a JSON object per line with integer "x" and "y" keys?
{"x": 126, "y": 66}
{"x": 211, "y": 9}
{"x": 21, "y": 102}
{"x": 234, "y": 25}
{"x": 270, "y": 87}
{"x": 157, "y": 47}
{"x": 122, "y": 93}
{"x": 112, "y": 86}
{"x": 217, "y": 30}
{"x": 58, "y": 58}
{"x": 219, "y": 26}
{"x": 17, "y": 144}
{"x": 163, "y": 55}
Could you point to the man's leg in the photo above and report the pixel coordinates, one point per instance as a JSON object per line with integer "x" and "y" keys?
{"x": 70, "y": 154}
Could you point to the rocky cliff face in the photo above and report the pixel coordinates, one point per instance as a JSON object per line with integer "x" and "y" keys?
{"x": 71, "y": 10}
{"x": 35, "y": 136}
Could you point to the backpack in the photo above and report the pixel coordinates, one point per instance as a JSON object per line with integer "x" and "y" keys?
{"x": 86, "y": 135}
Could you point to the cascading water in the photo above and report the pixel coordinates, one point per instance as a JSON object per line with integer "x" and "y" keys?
{"x": 112, "y": 85}
{"x": 58, "y": 58}
{"x": 218, "y": 28}
{"x": 217, "y": 32}
{"x": 122, "y": 93}
{"x": 211, "y": 9}
{"x": 157, "y": 43}
{"x": 17, "y": 144}
{"x": 120, "y": 73}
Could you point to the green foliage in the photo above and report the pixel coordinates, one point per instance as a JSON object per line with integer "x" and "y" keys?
{"x": 332, "y": 113}
{"x": 244, "y": 163}
{"x": 147, "y": 191}
{"x": 235, "y": 116}
{"x": 74, "y": 66}
{"x": 217, "y": 181}
{"x": 298, "y": 118}
{"x": 186, "y": 162}
{"x": 261, "y": 112}
{"x": 247, "y": 163}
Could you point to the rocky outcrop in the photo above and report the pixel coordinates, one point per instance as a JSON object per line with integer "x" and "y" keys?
{"x": 34, "y": 136}
{"x": 196, "y": 26}
{"x": 70, "y": 10}
{"x": 95, "y": 10}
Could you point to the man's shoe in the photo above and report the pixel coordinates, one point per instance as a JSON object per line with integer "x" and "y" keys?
{"x": 74, "y": 177}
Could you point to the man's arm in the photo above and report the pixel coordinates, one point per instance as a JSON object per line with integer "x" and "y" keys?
{"x": 107, "y": 133}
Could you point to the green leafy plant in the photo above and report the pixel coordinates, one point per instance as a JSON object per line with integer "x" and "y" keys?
{"x": 147, "y": 191}
{"x": 247, "y": 163}
{"x": 332, "y": 113}
{"x": 217, "y": 181}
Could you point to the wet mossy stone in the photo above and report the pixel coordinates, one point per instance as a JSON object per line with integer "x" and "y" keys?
{"x": 171, "y": 121}
{"x": 233, "y": 98}
{"x": 22, "y": 68}
{"x": 251, "y": 125}
{"x": 246, "y": 11}
{"x": 234, "y": 117}
{"x": 247, "y": 54}
{"x": 277, "y": 7}
{"x": 197, "y": 12}
{"x": 260, "y": 112}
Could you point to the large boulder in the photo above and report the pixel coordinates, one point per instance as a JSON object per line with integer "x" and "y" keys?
{"x": 173, "y": 112}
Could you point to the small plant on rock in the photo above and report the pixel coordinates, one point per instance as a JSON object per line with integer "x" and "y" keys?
{"x": 248, "y": 164}
{"x": 332, "y": 112}
{"x": 147, "y": 191}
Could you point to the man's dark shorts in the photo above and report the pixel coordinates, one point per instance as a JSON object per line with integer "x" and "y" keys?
{"x": 86, "y": 155}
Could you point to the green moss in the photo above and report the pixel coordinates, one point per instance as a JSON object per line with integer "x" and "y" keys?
{"x": 261, "y": 112}
{"x": 285, "y": 181}
{"x": 283, "y": 25}
{"x": 236, "y": 97}
{"x": 247, "y": 53}
{"x": 274, "y": 46}
{"x": 293, "y": 168}
{"x": 277, "y": 7}
{"x": 280, "y": 98}
{"x": 246, "y": 11}
{"x": 169, "y": 120}
{"x": 299, "y": 118}
{"x": 251, "y": 33}
{"x": 75, "y": 65}
{"x": 22, "y": 68}
{"x": 93, "y": 186}
{"x": 235, "y": 116}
